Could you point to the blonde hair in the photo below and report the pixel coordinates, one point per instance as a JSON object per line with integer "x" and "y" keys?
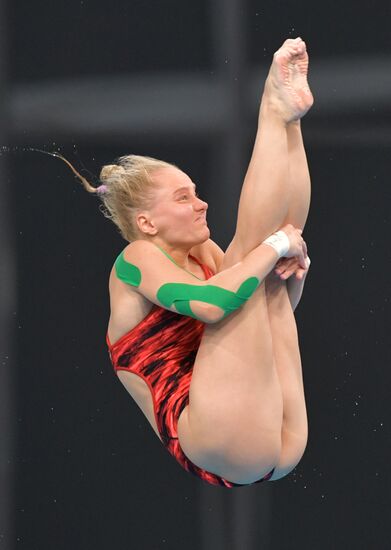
{"x": 127, "y": 188}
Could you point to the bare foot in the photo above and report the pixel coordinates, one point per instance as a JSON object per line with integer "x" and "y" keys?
{"x": 286, "y": 87}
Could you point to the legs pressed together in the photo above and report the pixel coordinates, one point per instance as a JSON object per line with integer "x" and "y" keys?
{"x": 282, "y": 321}
{"x": 247, "y": 411}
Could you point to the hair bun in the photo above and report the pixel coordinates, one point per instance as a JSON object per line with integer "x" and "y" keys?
{"x": 111, "y": 171}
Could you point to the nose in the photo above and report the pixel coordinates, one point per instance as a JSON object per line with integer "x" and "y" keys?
{"x": 201, "y": 205}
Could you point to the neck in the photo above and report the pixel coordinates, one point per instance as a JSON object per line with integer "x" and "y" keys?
{"x": 180, "y": 254}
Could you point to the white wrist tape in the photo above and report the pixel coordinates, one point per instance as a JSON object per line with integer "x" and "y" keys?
{"x": 279, "y": 241}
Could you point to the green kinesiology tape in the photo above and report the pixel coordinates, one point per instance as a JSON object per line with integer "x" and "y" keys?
{"x": 127, "y": 272}
{"x": 180, "y": 294}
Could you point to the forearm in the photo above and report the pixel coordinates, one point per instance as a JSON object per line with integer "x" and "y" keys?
{"x": 257, "y": 263}
{"x": 230, "y": 288}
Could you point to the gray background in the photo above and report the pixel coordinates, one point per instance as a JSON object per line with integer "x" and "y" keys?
{"x": 80, "y": 466}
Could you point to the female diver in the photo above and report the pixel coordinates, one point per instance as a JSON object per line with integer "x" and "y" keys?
{"x": 205, "y": 341}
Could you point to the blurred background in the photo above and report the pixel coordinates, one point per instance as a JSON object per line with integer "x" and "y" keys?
{"x": 81, "y": 467}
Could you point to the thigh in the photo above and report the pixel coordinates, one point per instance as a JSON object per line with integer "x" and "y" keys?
{"x": 234, "y": 391}
{"x": 235, "y": 394}
{"x": 286, "y": 352}
{"x": 234, "y": 253}
{"x": 226, "y": 465}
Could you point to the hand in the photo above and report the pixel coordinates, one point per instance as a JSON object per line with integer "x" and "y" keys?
{"x": 286, "y": 267}
{"x": 298, "y": 247}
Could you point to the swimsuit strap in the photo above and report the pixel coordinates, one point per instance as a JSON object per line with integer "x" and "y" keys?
{"x": 172, "y": 259}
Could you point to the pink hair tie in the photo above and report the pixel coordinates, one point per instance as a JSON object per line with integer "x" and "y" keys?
{"x": 101, "y": 189}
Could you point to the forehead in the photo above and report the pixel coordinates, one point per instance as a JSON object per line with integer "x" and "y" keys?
{"x": 168, "y": 179}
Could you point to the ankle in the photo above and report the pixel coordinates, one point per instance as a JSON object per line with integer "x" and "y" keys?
{"x": 294, "y": 124}
{"x": 269, "y": 111}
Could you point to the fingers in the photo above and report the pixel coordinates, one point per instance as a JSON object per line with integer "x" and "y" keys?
{"x": 285, "y": 263}
{"x": 302, "y": 261}
{"x": 288, "y": 273}
{"x": 286, "y": 268}
{"x": 300, "y": 273}
{"x": 304, "y": 246}
{"x": 297, "y": 265}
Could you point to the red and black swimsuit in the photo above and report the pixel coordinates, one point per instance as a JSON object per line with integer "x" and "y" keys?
{"x": 162, "y": 349}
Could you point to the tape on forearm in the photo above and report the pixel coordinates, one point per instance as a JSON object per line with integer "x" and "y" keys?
{"x": 279, "y": 241}
{"x": 180, "y": 294}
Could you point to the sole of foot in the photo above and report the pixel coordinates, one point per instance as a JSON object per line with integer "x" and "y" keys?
{"x": 286, "y": 87}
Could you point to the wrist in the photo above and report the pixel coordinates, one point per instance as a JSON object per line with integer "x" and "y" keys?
{"x": 279, "y": 241}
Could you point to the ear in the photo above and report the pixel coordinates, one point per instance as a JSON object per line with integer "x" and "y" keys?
{"x": 145, "y": 224}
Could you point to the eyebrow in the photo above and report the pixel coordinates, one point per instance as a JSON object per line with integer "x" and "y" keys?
{"x": 184, "y": 189}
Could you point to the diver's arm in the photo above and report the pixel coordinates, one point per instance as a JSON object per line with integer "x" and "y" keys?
{"x": 157, "y": 278}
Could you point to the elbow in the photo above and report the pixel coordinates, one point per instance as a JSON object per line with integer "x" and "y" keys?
{"x": 214, "y": 314}
{"x": 207, "y": 313}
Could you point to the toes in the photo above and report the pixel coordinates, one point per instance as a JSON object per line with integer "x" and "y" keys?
{"x": 292, "y": 41}
{"x": 294, "y": 46}
{"x": 300, "y": 49}
{"x": 282, "y": 56}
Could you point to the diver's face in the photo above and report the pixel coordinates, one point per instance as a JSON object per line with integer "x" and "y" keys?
{"x": 177, "y": 214}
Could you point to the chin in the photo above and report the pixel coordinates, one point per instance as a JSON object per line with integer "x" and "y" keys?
{"x": 207, "y": 232}
{"x": 202, "y": 237}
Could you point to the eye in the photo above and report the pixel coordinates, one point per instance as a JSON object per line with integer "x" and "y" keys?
{"x": 186, "y": 196}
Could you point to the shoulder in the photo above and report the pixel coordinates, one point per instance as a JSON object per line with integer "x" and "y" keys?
{"x": 141, "y": 260}
{"x": 209, "y": 253}
{"x": 140, "y": 248}
{"x": 126, "y": 265}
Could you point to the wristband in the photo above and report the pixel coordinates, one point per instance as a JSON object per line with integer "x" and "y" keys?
{"x": 279, "y": 241}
